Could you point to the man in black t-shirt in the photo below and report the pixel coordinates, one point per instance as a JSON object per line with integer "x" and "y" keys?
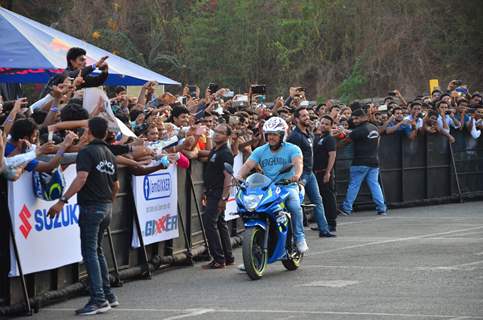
{"x": 96, "y": 185}
{"x": 217, "y": 183}
{"x": 303, "y": 138}
{"x": 324, "y": 160}
{"x": 365, "y": 164}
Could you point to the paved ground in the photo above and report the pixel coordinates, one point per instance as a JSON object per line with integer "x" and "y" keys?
{"x": 419, "y": 263}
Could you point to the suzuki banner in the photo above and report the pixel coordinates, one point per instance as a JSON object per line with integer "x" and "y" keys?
{"x": 156, "y": 200}
{"x": 231, "y": 210}
{"x": 43, "y": 243}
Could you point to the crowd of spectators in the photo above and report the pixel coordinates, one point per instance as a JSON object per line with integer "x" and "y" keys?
{"x": 41, "y": 135}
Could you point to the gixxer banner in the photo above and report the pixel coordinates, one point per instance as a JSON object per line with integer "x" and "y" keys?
{"x": 156, "y": 200}
{"x": 43, "y": 243}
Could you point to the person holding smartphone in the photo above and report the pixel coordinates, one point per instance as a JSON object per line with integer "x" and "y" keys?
{"x": 80, "y": 72}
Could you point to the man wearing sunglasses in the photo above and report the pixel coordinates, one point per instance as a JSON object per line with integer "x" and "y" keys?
{"x": 217, "y": 183}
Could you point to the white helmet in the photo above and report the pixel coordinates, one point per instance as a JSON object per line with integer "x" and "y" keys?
{"x": 275, "y": 125}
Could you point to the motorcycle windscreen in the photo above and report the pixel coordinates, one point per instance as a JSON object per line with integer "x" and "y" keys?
{"x": 257, "y": 180}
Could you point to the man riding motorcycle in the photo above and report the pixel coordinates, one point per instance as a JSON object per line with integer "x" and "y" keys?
{"x": 272, "y": 157}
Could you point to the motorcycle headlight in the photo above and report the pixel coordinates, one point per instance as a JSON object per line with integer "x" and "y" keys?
{"x": 252, "y": 201}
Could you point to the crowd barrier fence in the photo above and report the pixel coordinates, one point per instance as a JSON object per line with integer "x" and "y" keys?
{"x": 427, "y": 170}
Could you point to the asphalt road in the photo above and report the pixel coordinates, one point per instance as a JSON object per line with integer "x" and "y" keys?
{"x": 418, "y": 263}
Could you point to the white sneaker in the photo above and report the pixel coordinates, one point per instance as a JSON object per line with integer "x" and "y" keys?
{"x": 302, "y": 246}
{"x": 242, "y": 268}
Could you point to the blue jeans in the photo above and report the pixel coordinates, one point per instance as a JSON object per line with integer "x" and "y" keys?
{"x": 93, "y": 221}
{"x": 313, "y": 193}
{"x": 357, "y": 175}
{"x": 295, "y": 209}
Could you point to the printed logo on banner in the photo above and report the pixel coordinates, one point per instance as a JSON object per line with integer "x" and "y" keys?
{"x": 25, "y": 227}
{"x": 164, "y": 224}
{"x": 67, "y": 217}
{"x": 157, "y": 186}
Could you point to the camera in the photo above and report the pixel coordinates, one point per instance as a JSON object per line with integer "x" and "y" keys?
{"x": 213, "y": 87}
{"x": 192, "y": 91}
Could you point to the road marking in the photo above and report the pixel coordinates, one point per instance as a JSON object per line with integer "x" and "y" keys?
{"x": 329, "y": 283}
{"x": 193, "y": 313}
{"x": 310, "y": 254}
{"x": 298, "y": 311}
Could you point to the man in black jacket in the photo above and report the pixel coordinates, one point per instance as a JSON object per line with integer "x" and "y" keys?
{"x": 365, "y": 164}
{"x": 76, "y": 62}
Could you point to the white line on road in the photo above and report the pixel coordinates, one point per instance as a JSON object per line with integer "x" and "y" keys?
{"x": 193, "y": 313}
{"x": 391, "y": 241}
{"x": 278, "y": 311}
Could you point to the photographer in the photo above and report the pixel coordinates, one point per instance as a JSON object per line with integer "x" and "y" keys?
{"x": 446, "y": 117}
{"x": 77, "y": 70}
{"x": 397, "y": 123}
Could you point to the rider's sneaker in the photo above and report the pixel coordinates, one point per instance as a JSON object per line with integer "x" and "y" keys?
{"x": 242, "y": 267}
{"x": 302, "y": 246}
{"x": 113, "y": 302}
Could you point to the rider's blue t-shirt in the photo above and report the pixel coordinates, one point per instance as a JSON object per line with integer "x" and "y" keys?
{"x": 272, "y": 162}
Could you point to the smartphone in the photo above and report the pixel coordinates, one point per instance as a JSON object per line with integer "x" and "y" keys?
{"x": 260, "y": 89}
{"x": 213, "y": 87}
{"x": 192, "y": 91}
{"x": 382, "y": 107}
{"x": 229, "y": 94}
{"x": 51, "y": 136}
{"x": 200, "y": 130}
{"x": 234, "y": 120}
{"x": 241, "y": 98}
{"x": 182, "y": 100}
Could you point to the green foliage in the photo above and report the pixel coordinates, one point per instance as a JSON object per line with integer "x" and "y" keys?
{"x": 351, "y": 87}
{"x": 334, "y": 48}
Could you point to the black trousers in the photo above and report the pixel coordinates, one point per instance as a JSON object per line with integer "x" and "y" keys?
{"x": 327, "y": 191}
{"x": 217, "y": 231}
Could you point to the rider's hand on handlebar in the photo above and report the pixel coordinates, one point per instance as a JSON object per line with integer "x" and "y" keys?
{"x": 295, "y": 179}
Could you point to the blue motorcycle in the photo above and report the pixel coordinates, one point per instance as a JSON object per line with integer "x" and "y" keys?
{"x": 268, "y": 235}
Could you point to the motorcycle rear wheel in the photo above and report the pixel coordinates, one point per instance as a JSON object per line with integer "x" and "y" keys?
{"x": 294, "y": 258}
{"x": 254, "y": 257}
{"x": 293, "y": 262}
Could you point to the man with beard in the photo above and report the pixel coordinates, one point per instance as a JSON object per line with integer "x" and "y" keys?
{"x": 303, "y": 138}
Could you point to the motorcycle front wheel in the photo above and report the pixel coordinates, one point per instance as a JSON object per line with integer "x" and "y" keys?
{"x": 254, "y": 257}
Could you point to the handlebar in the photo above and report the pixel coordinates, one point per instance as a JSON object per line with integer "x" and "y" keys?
{"x": 284, "y": 182}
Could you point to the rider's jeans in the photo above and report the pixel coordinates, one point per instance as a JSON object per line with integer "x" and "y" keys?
{"x": 313, "y": 193}
{"x": 295, "y": 209}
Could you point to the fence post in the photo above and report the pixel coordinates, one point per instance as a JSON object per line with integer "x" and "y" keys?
{"x": 455, "y": 171}
{"x": 19, "y": 265}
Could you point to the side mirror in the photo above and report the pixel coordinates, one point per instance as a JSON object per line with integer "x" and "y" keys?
{"x": 228, "y": 168}
{"x": 286, "y": 169}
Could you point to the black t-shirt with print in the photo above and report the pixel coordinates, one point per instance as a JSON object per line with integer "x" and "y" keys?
{"x": 322, "y": 146}
{"x": 365, "y": 139}
{"x": 98, "y": 160}
{"x": 214, "y": 176}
